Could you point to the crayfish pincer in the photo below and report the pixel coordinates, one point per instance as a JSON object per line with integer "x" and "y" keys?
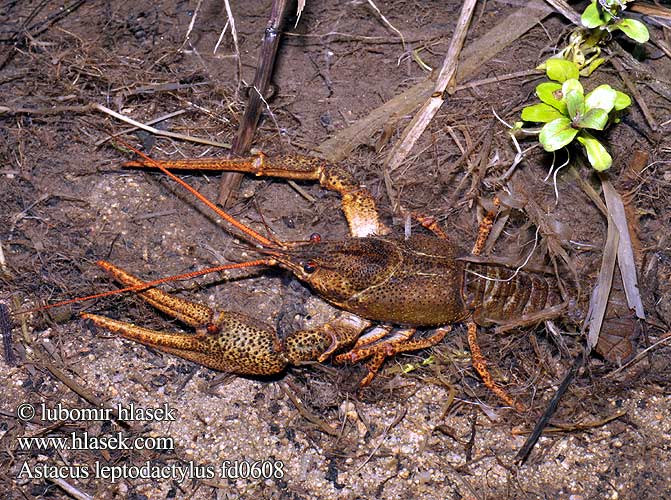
{"x": 416, "y": 282}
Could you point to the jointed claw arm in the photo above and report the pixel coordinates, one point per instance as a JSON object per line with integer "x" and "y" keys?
{"x": 229, "y": 341}
{"x": 357, "y": 202}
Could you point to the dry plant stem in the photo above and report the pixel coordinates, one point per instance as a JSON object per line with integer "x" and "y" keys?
{"x": 133, "y": 129}
{"x": 445, "y": 79}
{"x": 570, "y": 427}
{"x": 662, "y": 46}
{"x": 631, "y": 87}
{"x": 25, "y": 335}
{"x": 625, "y": 252}
{"x": 3, "y": 263}
{"x": 482, "y": 162}
{"x": 341, "y": 37}
{"x": 230, "y": 181}
{"x": 630, "y": 186}
{"x": 192, "y": 23}
{"x": 547, "y": 314}
{"x": 483, "y": 144}
{"x": 599, "y": 299}
{"x": 565, "y": 10}
{"x": 400, "y": 415}
{"x": 6, "y": 333}
{"x": 69, "y": 382}
{"x": 550, "y": 410}
{"x": 41, "y": 360}
{"x": 156, "y": 131}
{"x": 546, "y": 223}
{"x": 499, "y": 78}
{"x": 234, "y": 34}
{"x": 659, "y": 81}
{"x": 451, "y": 168}
{"x": 99, "y": 107}
{"x": 289, "y": 390}
{"x": 651, "y": 10}
{"x": 509, "y": 29}
{"x": 300, "y": 5}
{"x": 386, "y": 22}
{"x": 665, "y": 339}
{"x": 588, "y": 190}
{"x": 47, "y": 111}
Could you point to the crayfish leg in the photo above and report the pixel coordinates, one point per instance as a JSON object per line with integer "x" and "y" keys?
{"x": 430, "y": 223}
{"x": 485, "y": 227}
{"x": 371, "y": 337}
{"x": 380, "y": 351}
{"x": 480, "y": 365}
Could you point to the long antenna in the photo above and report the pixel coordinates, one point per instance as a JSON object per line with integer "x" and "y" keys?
{"x": 221, "y": 213}
{"x": 150, "y": 284}
{"x": 267, "y": 244}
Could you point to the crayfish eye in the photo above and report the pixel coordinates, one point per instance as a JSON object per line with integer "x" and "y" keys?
{"x": 310, "y": 267}
{"x": 315, "y": 238}
{"x": 213, "y": 329}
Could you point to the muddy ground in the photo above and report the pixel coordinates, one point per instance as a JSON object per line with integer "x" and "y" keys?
{"x": 434, "y": 432}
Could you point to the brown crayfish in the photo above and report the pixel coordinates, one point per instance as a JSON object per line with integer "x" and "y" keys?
{"x": 419, "y": 281}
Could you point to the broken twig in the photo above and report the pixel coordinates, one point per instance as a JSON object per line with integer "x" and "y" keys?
{"x": 230, "y": 181}
{"x": 444, "y": 84}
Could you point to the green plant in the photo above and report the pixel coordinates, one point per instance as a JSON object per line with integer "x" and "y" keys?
{"x": 606, "y": 15}
{"x": 569, "y": 114}
{"x": 599, "y": 20}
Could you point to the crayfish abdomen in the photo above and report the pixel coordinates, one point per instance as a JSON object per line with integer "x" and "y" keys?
{"x": 497, "y": 294}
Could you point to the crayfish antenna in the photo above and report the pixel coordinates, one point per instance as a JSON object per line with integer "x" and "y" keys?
{"x": 148, "y": 284}
{"x": 256, "y": 238}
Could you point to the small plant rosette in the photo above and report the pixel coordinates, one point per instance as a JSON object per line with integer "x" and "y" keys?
{"x": 569, "y": 114}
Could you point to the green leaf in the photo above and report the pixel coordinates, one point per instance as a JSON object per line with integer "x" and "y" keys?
{"x": 596, "y": 153}
{"x": 550, "y": 93}
{"x": 591, "y": 18}
{"x": 557, "y": 134}
{"x": 561, "y": 70}
{"x": 622, "y": 100}
{"x": 592, "y": 66}
{"x": 540, "y": 113}
{"x": 602, "y": 97}
{"x": 575, "y": 103}
{"x": 595, "y": 118}
{"x": 571, "y": 84}
{"x": 634, "y": 29}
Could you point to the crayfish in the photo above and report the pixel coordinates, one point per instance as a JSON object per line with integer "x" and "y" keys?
{"x": 415, "y": 282}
